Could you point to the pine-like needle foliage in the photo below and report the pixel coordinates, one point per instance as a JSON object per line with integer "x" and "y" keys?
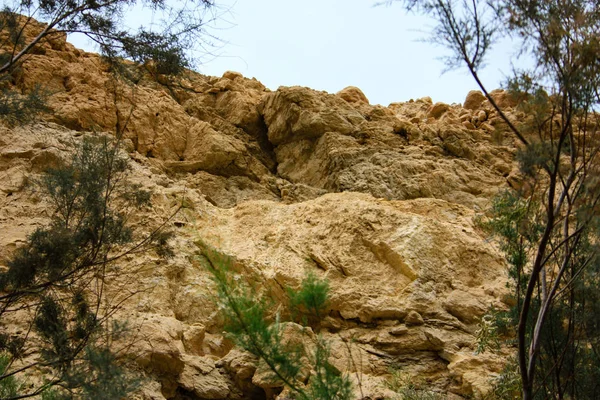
{"x": 257, "y": 328}
{"x": 18, "y": 109}
{"x": 166, "y": 48}
{"x": 167, "y": 45}
{"x": 552, "y": 241}
{"x": 309, "y": 303}
{"x": 59, "y": 276}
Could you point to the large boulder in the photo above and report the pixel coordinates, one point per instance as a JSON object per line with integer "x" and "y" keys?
{"x": 353, "y": 95}
{"x": 474, "y": 100}
{"x": 297, "y": 113}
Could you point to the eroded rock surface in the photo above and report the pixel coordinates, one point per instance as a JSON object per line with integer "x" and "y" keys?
{"x": 378, "y": 200}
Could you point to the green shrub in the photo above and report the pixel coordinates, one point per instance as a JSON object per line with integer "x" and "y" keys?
{"x": 309, "y": 303}
{"x": 18, "y": 109}
{"x": 257, "y": 328}
{"x": 60, "y": 274}
{"x": 408, "y": 388}
{"x": 9, "y": 385}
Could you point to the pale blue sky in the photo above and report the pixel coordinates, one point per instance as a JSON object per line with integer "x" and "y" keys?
{"x": 330, "y": 44}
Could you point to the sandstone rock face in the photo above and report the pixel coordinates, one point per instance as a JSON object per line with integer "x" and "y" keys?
{"x": 438, "y": 109}
{"x": 201, "y": 377}
{"x": 474, "y": 100}
{"x": 353, "y": 95}
{"x": 378, "y": 200}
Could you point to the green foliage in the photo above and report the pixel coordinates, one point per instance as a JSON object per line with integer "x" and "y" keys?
{"x": 17, "y": 109}
{"x": 530, "y": 96}
{"x": 250, "y": 324}
{"x": 9, "y": 23}
{"x": 535, "y": 157}
{"x": 91, "y": 200}
{"x": 310, "y": 302}
{"x": 103, "y": 379}
{"x": 59, "y": 275}
{"x": 166, "y": 46}
{"x": 9, "y": 386}
{"x": 576, "y": 369}
{"x": 507, "y": 385}
{"x": 166, "y": 49}
{"x": 408, "y": 388}
{"x": 253, "y": 324}
{"x": 99, "y": 376}
{"x": 548, "y": 230}
{"x": 487, "y": 334}
{"x": 517, "y": 229}
{"x": 168, "y": 57}
{"x": 328, "y": 382}
{"x": 51, "y": 394}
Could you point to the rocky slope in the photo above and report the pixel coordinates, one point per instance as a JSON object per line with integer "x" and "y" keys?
{"x": 379, "y": 200}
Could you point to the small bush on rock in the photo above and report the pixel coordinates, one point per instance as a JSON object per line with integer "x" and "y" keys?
{"x": 256, "y": 327}
{"x": 57, "y": 281}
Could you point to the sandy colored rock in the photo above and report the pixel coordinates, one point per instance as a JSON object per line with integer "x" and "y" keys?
{"x": 380, "y": 158}
{"x": 193, "y": 339}
{"x": 159, "y": 348}
{"x": 399, "y": 330}
{"x": 378, "y": 200}
{"x": 474, "y": 100}
{"x": 413, "y": 318}
{"x": 383, "y": 258}
{"x": 464, "y": 306}
{"x": 462, "y": 366}
{"x": 438, "y": 109}
{"x": 201, "y": 377}
{"x": 241, "y": 364}
{"x": 481, "y": 116}
{"x": 487, "y": 127}
{"x": 469, "y": 125}
{"x": 232, "y": 75}
{"x": 410, "y": 240}
{"x": 234, "y": 128}
{"x": 353, "y": 95}
{"x": 291, "y": 335}
{"x": 298, "y": 113}
{"x": 151, "y": 391}
{"x": 503, "y": 99}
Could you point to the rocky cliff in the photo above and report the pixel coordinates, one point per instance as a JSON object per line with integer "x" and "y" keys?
{"x": 379, "y": 200}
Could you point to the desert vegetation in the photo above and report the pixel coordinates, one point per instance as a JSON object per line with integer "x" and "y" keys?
{"x": 292, "y": 146}
{"x": 548, "y": 226}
